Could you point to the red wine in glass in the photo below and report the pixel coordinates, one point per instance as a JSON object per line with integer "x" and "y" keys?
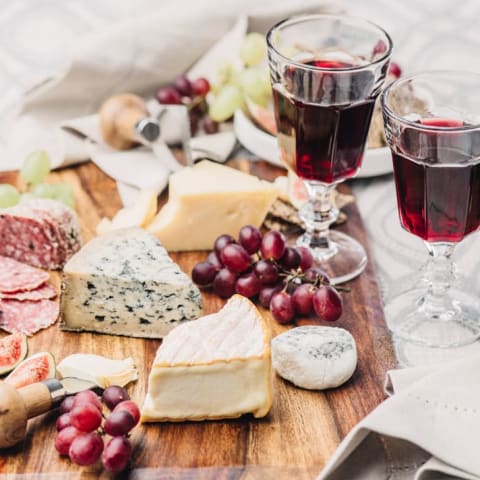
{"x": 319, "y": 139}
{"x": 438, "y": 198}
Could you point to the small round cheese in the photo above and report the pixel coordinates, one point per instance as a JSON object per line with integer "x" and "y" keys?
{"x": 315, "y": 357}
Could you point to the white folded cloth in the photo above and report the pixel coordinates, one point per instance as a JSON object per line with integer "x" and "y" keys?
{"x": 427, "y": 430}
{"x": 138, "y": 56}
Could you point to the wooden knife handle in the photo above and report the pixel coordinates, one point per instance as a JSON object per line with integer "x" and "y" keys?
{"x": 36, "y": 398}
{"x": 13, "y": 416}
{"x": 118, "y": 117}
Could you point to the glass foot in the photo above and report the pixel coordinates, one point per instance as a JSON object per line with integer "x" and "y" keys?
{"x": 342, "y": 257}
{"x": 410, "y": 317}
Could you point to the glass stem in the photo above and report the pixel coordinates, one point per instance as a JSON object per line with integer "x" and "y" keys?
{"x": 318, "y": 214}
{"x": 439, "y": 275}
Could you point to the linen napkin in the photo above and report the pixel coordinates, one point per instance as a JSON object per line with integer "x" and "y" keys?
{"x": 427, "y": 430}
{"x": 139, "y": 56}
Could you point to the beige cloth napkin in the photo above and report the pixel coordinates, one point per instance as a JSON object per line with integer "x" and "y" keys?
{"x": 427, "y": 430}
{"x": 139, "y": 56}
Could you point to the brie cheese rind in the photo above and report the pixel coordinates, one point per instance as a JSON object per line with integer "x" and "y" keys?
{"x": 218, "y": 366}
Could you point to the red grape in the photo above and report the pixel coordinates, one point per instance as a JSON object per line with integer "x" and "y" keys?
{"x": 313, "y": 274}
{"x": 86, "y": 448}
{"x": 168, "y": 96}
{"x": 266, "y": 271}
{"x": 119, "y": 422}
{"x": 203, "y": 273}
{"x": 302, "y": 299}
{"x": 214, "y": 259}
{"x": 64, "y": 439}
{"x": 67, "y": 404}
{"x": 235, "y": 258}
{"x": 281, "y": 307}
{"x": 63, "y": 421}
{"x": 201, "y": 86}
{"x": 87, "y": 397}
{"x": 86, "y": 417}
{"x": 306, "y": 257}
{"x": 221, "y": 242}
{"x": 113, "y": 395}
{"x": 395, "y": 70}
{"x": 266, "y": 294}
{"x": 183, "y": 86}
{"x": 248, "y": 285}
{"x": 291, "y": 258}
{"x": 273, "y": 245}
{"x": 210, "y": 126}
{"x": 250, "y": 238}
{"x": 116, "y": 454}
{"x": 130, "y": 407}
{"x": 224, "y": 283}
{"x": 327, "y": 303}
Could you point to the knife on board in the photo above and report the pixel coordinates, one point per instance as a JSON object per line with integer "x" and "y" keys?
{"x": 17, "y": 406}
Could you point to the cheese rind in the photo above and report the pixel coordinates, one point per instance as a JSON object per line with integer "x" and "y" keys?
{"x": 218, "y": 367}
{"x": 124, "y": 283}
{"x": 208, "y": 200}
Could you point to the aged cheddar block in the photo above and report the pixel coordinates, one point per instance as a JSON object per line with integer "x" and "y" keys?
{"x": 207, "y": 200}
{"x": 124, "y": 283}
{"x": 215, "y": 367}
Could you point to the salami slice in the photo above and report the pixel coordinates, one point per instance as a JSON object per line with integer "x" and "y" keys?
{"x": 16, "y": 276}
{"x": 28, "y": 316}
{"x": 45, "y": 291}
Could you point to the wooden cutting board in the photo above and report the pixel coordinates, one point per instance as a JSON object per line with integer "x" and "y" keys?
{"x": 293, "y": 442}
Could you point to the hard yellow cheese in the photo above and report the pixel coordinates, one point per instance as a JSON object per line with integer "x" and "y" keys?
{"x": 207, "y": 200}
{"x": 218, "y": 366}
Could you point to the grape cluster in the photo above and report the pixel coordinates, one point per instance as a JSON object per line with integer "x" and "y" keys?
{"x": 79, "y": 432}
{"x": 34, "y": 171}
{"x": 282, "y": 277}
{"x": 192, "y": 94}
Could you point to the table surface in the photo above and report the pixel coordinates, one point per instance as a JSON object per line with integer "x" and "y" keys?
{"x": 293, "y": 441}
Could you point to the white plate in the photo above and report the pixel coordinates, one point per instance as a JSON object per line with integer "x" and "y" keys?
{"x": 376, "y": 161}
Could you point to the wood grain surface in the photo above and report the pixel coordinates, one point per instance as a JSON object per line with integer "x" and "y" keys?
{"x": 293, "y": 442}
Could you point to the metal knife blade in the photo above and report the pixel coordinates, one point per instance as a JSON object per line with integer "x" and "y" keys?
{"x": 59, "y": 389}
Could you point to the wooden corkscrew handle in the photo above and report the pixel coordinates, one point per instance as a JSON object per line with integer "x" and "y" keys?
{"x": 119, "y": 116}
{"x": 17, "y": 406}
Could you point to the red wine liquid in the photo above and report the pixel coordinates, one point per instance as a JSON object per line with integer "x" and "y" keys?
{"x": 320, "y": 139}
{"x": 438, "y": 199}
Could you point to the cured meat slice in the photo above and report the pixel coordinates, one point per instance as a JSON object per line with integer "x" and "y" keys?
{"x": 40, "y": 232}
{"x": 45, "y": 291}
{"x": 28, "y": 316}
{"x": 16, "y": 276}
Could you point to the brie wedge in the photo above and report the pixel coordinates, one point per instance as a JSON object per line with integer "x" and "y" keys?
{"x": 215, "y": 367}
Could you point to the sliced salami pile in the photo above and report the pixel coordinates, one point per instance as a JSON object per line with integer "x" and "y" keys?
{"x": 26, "y": 303}
{"x": 40, "y": 232}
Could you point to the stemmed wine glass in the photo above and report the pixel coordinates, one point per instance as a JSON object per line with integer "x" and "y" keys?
{"x": 326, "y": 72}
{"x": 432, "y": 122}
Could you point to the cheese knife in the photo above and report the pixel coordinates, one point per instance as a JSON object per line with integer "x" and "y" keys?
{"x": 17, "y": 406}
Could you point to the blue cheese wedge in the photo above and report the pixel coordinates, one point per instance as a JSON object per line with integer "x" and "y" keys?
{"x": 124, "y": 283}
{"x": 215, "y": 367}
{"x": 315, "y": 357}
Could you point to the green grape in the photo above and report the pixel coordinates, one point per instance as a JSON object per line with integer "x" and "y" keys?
{"x": 265, "y": 83}
{"x": 225, "y": 73}
{"x": 35, "y": 167}
{"x": 251, "y": 80}
{"x": 61, "y": 192}
{"x": 43, "y": 190}
{"x": 27, "y": 196}
{"x": 9, "y": 195}
{"x": 223, "y": 106}
{"x": 253, "y": 50}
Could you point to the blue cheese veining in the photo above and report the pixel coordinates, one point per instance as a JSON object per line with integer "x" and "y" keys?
{"x": 124, "y": 283}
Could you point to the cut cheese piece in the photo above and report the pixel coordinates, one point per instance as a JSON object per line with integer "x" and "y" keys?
{"x": 218, "y": 366}
{"x": 124, "y": 283}
{"x": 99, "y": 370}
{"x": 207, "y": 200}
{"x": 138, "y": 215}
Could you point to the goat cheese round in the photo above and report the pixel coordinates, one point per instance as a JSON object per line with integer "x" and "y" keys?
{"x": 315, "y": 357}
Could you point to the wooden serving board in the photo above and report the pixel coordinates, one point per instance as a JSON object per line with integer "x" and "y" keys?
{"x": 293, "y": 442}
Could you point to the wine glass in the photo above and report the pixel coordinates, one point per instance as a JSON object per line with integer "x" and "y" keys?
{"x": 432, "y": 123}
{"x": 326, "y": 72}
